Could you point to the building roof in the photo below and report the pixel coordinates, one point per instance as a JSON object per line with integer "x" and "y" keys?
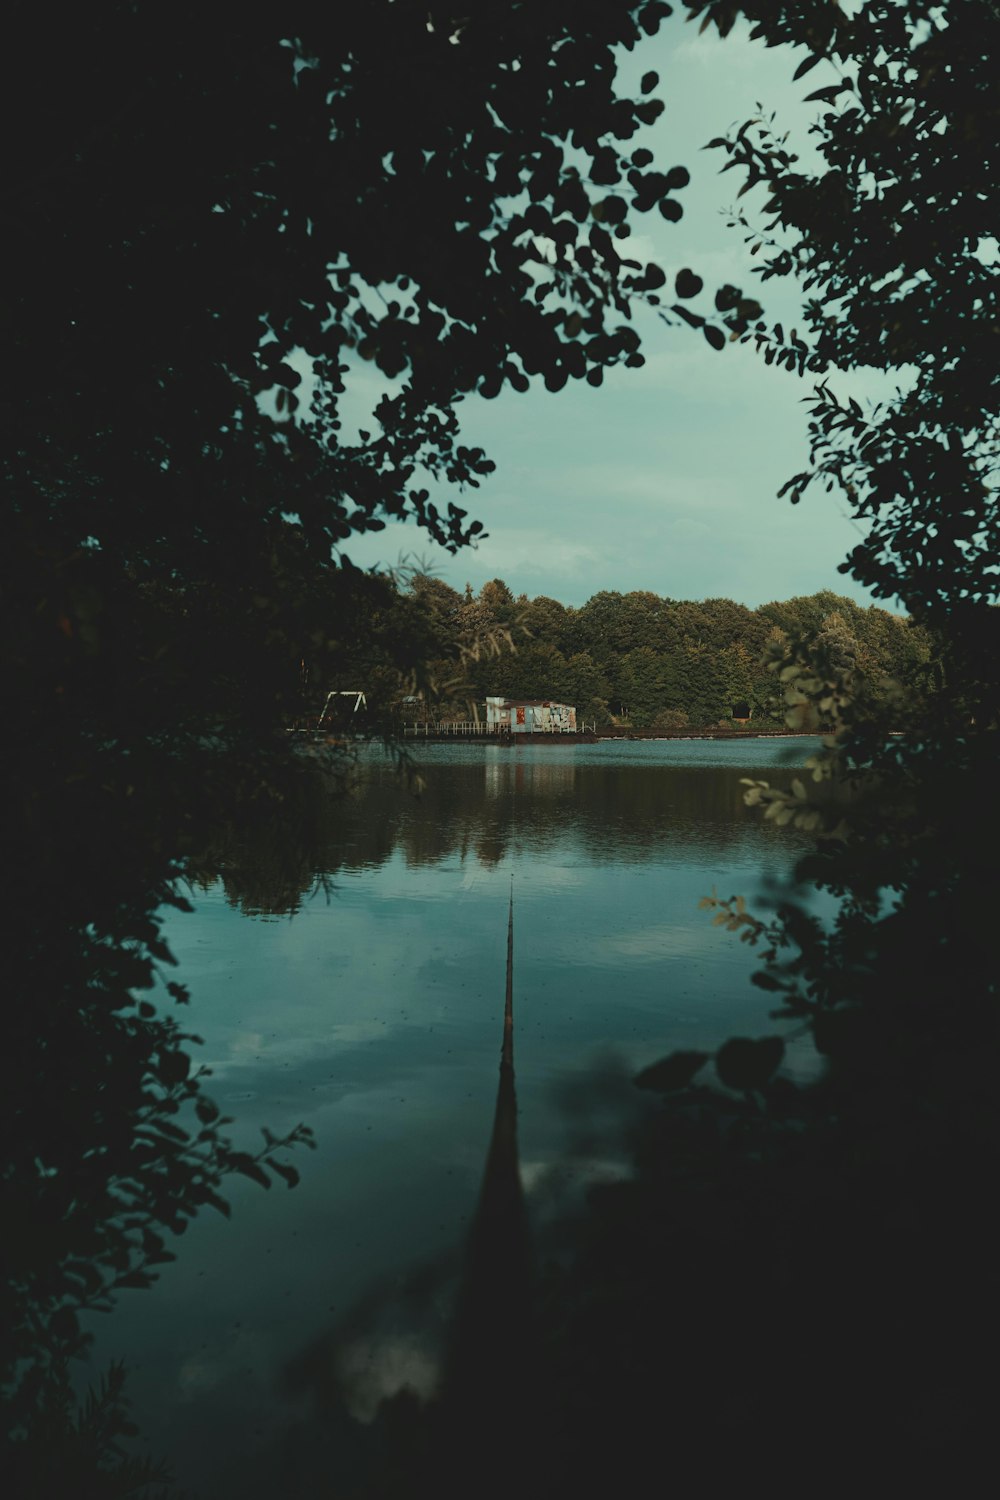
{"x": 532, "y": 703}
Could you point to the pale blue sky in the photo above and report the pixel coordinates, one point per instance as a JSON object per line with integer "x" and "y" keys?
{"x": 664, "y": 478}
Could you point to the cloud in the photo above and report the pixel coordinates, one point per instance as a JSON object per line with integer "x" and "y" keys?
{"x": 372, "y": 1369}
{"x": 571, "y": 1173}
{"x": 666, "y": 477}
{"x": 655, "y": 942}
{"x": 525, "y": 554}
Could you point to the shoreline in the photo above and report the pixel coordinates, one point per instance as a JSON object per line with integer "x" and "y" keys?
{"x": 588, "y": 737}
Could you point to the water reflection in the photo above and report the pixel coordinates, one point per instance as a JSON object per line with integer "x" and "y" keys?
{"x": 489, "y": 804}
{"x": 373, "y": 1017}
{"x": 511, "y": 774}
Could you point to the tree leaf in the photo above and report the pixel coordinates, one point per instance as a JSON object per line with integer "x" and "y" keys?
{"x": 290, "y": 1174}
{"x": 687, "y": 284}
{"x": 743, "y": 1063}
{"x": 807, "y": 65}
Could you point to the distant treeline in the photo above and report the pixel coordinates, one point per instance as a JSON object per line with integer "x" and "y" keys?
{"x": 651, "y": 661}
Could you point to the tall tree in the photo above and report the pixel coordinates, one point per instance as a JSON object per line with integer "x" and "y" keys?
{"x": 892, "y": 239}
{"x": 857, "y": 1198}
{"x": 215, "y": 217}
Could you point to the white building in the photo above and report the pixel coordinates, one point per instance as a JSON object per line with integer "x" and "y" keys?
{"x": 530, "y": 716}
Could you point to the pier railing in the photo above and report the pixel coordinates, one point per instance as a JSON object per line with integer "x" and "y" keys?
{"x": 470, "y": 729}
{"x": 465, "y": 729}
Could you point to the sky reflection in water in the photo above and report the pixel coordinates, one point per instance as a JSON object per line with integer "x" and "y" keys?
{"x": 374, "y": 1016}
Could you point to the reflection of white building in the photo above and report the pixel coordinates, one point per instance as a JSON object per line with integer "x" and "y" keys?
{"x": 530, "y": 716}
{"x": 509, "y": 776}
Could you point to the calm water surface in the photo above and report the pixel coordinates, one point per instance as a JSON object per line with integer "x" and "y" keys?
{"x": 373, "y": 1014}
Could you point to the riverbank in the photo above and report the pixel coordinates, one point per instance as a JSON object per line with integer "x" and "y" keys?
{"x": 444, "y": 735}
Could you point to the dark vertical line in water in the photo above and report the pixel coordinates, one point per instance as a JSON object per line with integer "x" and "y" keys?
{"x": 507, "y": 1050}
{"x": 489, "y": 1368}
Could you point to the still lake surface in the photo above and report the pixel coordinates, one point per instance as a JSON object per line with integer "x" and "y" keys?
{"x": 373, "y": 1014}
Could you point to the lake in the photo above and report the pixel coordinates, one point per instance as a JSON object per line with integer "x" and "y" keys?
{"x": 371, "y": 1010}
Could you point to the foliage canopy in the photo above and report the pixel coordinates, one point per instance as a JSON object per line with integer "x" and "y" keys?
{"x": 638, "y": 656}
{"x": 213, "y": 209}
{"x": 220, "y": 222}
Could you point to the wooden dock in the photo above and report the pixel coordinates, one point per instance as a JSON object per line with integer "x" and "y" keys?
{"x": 458, "y": 734}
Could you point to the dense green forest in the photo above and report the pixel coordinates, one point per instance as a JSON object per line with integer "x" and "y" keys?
{"x": 653, "y": 662}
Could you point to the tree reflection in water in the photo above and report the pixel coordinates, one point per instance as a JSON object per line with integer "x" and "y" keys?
{"x": 270, "y": 867}
{"x": 781, "y": 1288}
